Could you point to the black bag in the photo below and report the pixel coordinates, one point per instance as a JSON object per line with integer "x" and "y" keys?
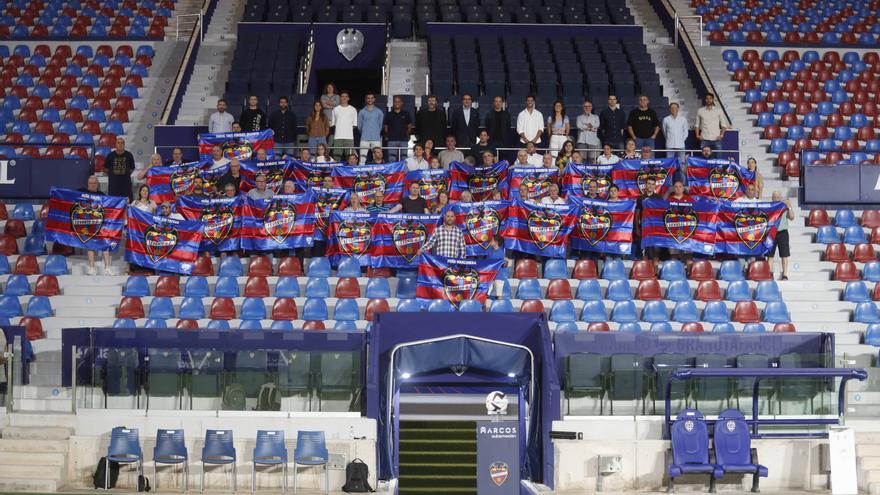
{"x": 357, "y": 476}
{"x": 98, "y": 479}
{"x": 234, "y": 397}
{"x": 143, "y": 483}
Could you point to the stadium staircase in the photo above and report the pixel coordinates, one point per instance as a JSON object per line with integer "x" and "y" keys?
{"x": 438, "y": 457}
{"x": 33, "y": 456}
{"x": 408, "y": 68}
{"x": 868, "y": 452}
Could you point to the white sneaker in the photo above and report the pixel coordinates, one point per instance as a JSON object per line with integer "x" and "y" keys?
{"x": 92, "y": 270}
{"x": 108, "y": 271}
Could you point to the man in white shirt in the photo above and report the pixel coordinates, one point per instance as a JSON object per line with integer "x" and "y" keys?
{"x": 260, "y": 191}
{"x": 535, "y": 159}
{"x": 217, "y": 158}
{"x": 450, "y": 154}
{"x": 522, "y": 159}
{"x": 675, "y": 128}
{"x": 345, "y": 119}
{"x": 220, "y": 121}
{"x": 530, "y": 123}
{"x": 417, "y": 160}
{"x": 553, "y": 198}
{"x": 547, "y": 160}
{"x": 750, "y": 194}
{"x": 607, "y": 157}
{"x": 588, "y": 124}
{"x": 711, "y": 124}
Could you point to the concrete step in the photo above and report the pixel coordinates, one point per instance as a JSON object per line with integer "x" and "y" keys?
{"x": 33, "y": 472}
{"x": 41, "y": 418}
{"x": 46, "y": 459}
{"x": 13, "y": 484}
{"x": 37, "y": 433}
{"x": 869, "y": 463}
{"x": 31, "y": 445}
{"x": 867, "y": 437}
{"x": 868, "y": 450}
{"x": 872, "y": 476}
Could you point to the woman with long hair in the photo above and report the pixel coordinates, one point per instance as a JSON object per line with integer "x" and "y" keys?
{"x": 558, "y": 127}
{"x": 143, "y": 201}
{"x": 317, "y": 126}
{"x": 329, "y": 100}
{"x": 752, "y": 164}
{"x": 564, "y": 157}
{"x": 322, "y": 155}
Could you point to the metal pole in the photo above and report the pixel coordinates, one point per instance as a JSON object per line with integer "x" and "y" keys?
{"x": 675, "y": 29}
{"x": 73, "y": 391}
{"x": 10, "y": 378}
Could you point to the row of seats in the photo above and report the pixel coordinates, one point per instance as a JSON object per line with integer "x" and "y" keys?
{"x": 85, "y": 19}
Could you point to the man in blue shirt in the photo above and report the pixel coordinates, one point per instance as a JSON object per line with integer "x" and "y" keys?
{"x": 370, "y": 120}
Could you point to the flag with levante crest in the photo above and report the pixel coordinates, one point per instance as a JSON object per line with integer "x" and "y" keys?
{"x": 576, "y": 177}
{"x": 717, "y": 179}
{"x": 350, "y": 235}
{"x": 167, "y": 183}
{"x": 398, "y": 237}
{"x": 604, "y": 226}
{"x": 366, "y": 180}
{"x": 480, "y": 222}
{"x": 307, "y": 175}
{"x": 748, "y": 228}
{"x": 286, "y": 221}
{"x": 85, "y": 220}
{"x": 162, "y": 243}
{"x": 455, "y": 280}
{"x": 631, "y": 175}
{"x": 539, "y": 229}
{"x": 221, "y": 217}
{"x": 482, "y": 181}
{"x": 684, "y": 225}
{"x": 241, "y": 145}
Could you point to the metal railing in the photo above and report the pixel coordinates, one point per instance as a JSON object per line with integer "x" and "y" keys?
{"x": 679, "y": 20}
{"x": 10, "y": 362}
{"x": 305, "y": 70}
{"x": 195, "y": 21}
{"x": 187, "y": 64}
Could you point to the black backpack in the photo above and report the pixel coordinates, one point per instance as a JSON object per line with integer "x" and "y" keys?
{"x": 98, "y": 479}
{"x": 357, "y": 476}
{"x": 143, "y": 483}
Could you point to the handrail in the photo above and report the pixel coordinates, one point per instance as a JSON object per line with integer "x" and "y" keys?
{"x": 198, "y": 23}
{"x": 306, "y": 66}
{"x": 386, "y": 67}
{"x": 188, "y": 59}
{"x": 678, "y": 22}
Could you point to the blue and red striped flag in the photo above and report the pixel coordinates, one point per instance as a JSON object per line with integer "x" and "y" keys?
{"x": 211, "y": 179}
{"x": 537, "y": 180}
{"x": 167, "y": 183}
{"x": 455, "y": 280}
{"x": 162, "y": 243}
{"x": 350, "y": 235}
{"x": 221, "y": 219}
{"x": 431, "y": 183}
{"x": 717, "y": 179}
{"x": 576, "y": 177}
{"x": 630, "y": 175}
{"x": 685, "y": 225}
{"x": 482, "y": 181}
{"x": 481, "y": 222}
{"x": 365, "y": 180}
{"x": 327, "y": 200}
{"x": 276, "y": 172}
{"x": 604, "y": 226}
{"x": 307, "y": 175}
{"x": 397, "y": 238}
{"x": 287, "y": 221}
{"x": 539, "y": 229}
{"x": 85, "y": 220}
{"x": 241, "y": 145}
{"x": 748, "y": 228}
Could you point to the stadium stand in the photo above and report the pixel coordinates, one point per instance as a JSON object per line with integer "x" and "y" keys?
{"x": 112, "y": 19}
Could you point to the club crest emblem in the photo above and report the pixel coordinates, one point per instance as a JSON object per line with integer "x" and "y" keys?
{"x": 680, "y": 223}
{"x": 274, "y": 178}
{"x": 86, "y": 220}
{"x": 499, "y": 472}
{"x": 544, "y": 226}
{"x": 482, "y": 225}
{"x": 538, "y": 185}
{"x": 210, "y": 182}
{"x": 460, "y": 284}
{"x": 431, "y": 187}
{"x": 218, "y": 223}
{"x": 408, "y": 238}
{"x": 482, "y": 186}
{"x": 324, "y": 205}
{"x": 316, "y": 178}
{"x": 350, "y": 42}
{"x": 237, "y": 148}
{"x": 279, "y": 220}
{"x": 689, "y": 426}
{"x": 751, "y": 227}
{"x": 730, "y": 425}
{"x": 603, "y": 182}
{"x": 723, "y": 183}
{"x": 160, "y": 241}
{"x": 354, "y": 237}
{"x": 183, "y": 180}
{"x": 366, "y": 186}
{"x": 594, "y": 223}
{"x": 658, "y": 174}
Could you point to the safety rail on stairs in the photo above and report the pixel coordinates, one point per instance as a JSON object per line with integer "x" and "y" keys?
{"x": 305, "y": 67}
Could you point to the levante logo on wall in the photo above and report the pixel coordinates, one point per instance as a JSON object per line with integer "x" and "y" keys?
{"x": 499, "y": 472}
{"x": 350, "y": 42}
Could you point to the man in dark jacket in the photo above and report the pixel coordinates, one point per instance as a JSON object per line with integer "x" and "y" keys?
{"x": 612, "y": 124}
{"x": 283, "y": 123}
{"x": 431, "y": 122}
{"x": 465, "y": 123}
{"x": 119, "y": 165}
{"x": 253, "y": 118}
{"x": 498, "y": 123}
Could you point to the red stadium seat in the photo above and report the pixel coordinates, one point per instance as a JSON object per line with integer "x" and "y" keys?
{"x": 33, "y": 328}
{"x": 863, "y": 253}
{"x": 313, "y": 325}
{"x": 846, "y": 271}
{"x": 836, "y": 252}
{"x": 105, "y": 50}
{"x": 187, "y": 324}
{"x": 760, "y": 270}
{"x": 708, "y": 290}
{"x": 348, "y": 288}
{"x": 47, "y": 285}
{"x": 746, "y": 312}
{"x": 584, "y": 269}
{"x": 125, "y": 50}
{"x": 818, "y": 218}
{"x": 15, "y": 228}
{"x": 290, "y": 267}
{"x": 99, "y": 167}
{"x": 649, "y": 290}
{"x": 793, "y": 168}
{"x": 71, "y": 114}
{"x": 867, "y": 134}
{"x": 260, "y": 266}
{"x": 702, "y": 270}
{"x": 775, "y": 95}
{"x": 598, "y": 326}
{"x": 256, "y": 286}
{"x": 692, "y": 327}
{"x": 526, "y": 268}
{"x": 759, "y": 107}
{"x": 8, "y": 245}
{"x": 3, "y": 213}
{"x": 204, "y": 267}
{"x": 92, "y": 127}
{"x": 788, "y": 120}
{"x": 167, "y": 286}
{"x": 26, "y": 264}
{"x": 876, "y": 294}
{"x": 378, "y": 272}
{"x": 375, "y": 306}
{"x": 222, "y": 308}
{"x": 532, "y": 306}
{"x": 559, "y": 289}
{"x": 284, "y": 309}
{"x": 784, "y": 328}
{"x": 643, "y": 270}
{"x": 870, "y": 219}
{"x": 130, "y": 307}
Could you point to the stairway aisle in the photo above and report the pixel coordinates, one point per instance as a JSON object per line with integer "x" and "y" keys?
{"x": 409, "y": 65}
{"x": 33, "y": 458}
{"x": 438, "y": 458}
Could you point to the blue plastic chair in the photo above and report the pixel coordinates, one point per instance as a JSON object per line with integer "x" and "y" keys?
{"x": 589, "y": 290}
{"x": 624, "y": 312}
{"x": 856, "y": 291}
{"x": 768, "y": 291}
{"x": 250, "y": 325}
{"x": 871, "y": 271}
{"x": 315, "y": 309}
{"x": 679, "y": 290}
{"x": 270, "y": 451}
{"x": 124, "y": 323}
{"x": 345, "y": 326}
{"x": 498, "y": 306}
{"x": 776, "y": 312}
{"x": 378, "y": 288}
{"x": 192, "y": 308}
{"x": 311, "y": 450}
{"x": 317, "y": 287}
{"x": 136, "y": 286}
{"x": 226, "y": 287}
{"x": 252, "y": 308}
{"x": 161, "y": 307}
{"x": 22, "y": 211}
{"x": 738, "y": 291}
{"x": 349, "y": 267}
{"x": 619, "y": 290}
{"x": 504, "y": 292}
{"x": 733, "y": 453}
{"x": 594, "y": 311}
{"x": 281, "y": 325}
{"x": 406, "y": 287}
{"x": 661, "y": 327}
{"x": 716, "y": 312}
{"x": 723, "y": 328}
{"x": 690, "y": 448}
{"x": 318, "y": 267}
{"x": 470, "y": 306}
{"x": 230, "y": 266}
{"x": 562, "y": 311}
{"x": 754, "y": 328}
{"x": 555, "y": 268}
{"x": 685, "y": 312}
{"x": 566, "y": 326}
{"x": 38, "y": 307}
{"x": 346, "y": 310}
{"x": 219, "y": 449}
{"x": 629, "y": 328}
{"x": 872, "y": 335}
{"x": 731, "y": 270}
{"x": 440, "y": 306}
{"x": 17, "y": 285}
{"x": 827, "y": 234}
{"x": 614, "y": 270}
{"x": 218, "y": 325}
{"x": 170, "y": 449}
{"x": 287, "y": 287}
{"x": 10, "y": 306}
{"x": 125, "y": 448}
{"x": 155, "y": 323}
{"x": 411, "y": 305}
{"x": 196, "y": 286}
{"x": 672, "y": 270}
{"x": 529, "y": 288}
{"x": 854, "y": 235}
{"x": 866, "y": 312}
{"x": 655, "y": 312}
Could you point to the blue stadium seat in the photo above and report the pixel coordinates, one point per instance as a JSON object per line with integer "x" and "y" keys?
{"x": 754, "y": 328}
{"x": 871, "y": 271}
{"x": 349, "y": 267}
{"x": 315, "y": 309}
{"x": 624, "y": 312}
{"x": 250, "y": 325}
{"x": 631, "y": 327}
{"x": 38, "y": 307}
{"x": 872, "y": 335}
{"x": 854, "y": 235}
{"x": 655, "y": 312}
{"x": 346, "y": 309}
{"x": 504, "y": 292}
{"x": 124, "y": 323}
{"x": 865, "y": 312}
{"x": 529, "y": 288}
{"x": 499, "y": 306}
{"x": 136, "y": 286}
{"x": 618, "y": 290}
{"x": 192, "y": 308}
{"x": 226, "y": 286}
{"x": 562, "y": 311}
{"x": 317, "y": 287}
{"x": 594, "y": 311}
{"x": 318, "y": 267}
{"x": 589, "y": 290}
{"x": 470, "y": 306}
{"x": 738, "y": 291}
{"x": 252, "y": 308}
{"x": 161, "y": 307}
{"x": 196, "y": 286}
{"x": 690, "y": 448}
{"x": 155, "y": 323}
{"x": 723, "y": 328}
{"x": 672, "y": 270}
{"x": 685, "y": 312}
{"x": 345, "y": 326}
{"x": 406, "y": 287}
{"x": 281, "y": 325}
{"x": 716, "y": 312}
{"x": 856, "y": 291}
{"x": 614, "y": 269}
{"x": 17, "y": 285}
{"x": 440, "y": 306}
{"x": 218, "y": 324}
{"x": 767, "y": 291}
{"x": 661, "y": 327}
{"x": 413, "y": 306}
{"x": 10, "y": 306}
{"x": 827, "y": 234}
{"x": 776, "y": 312}
{"x": 679, "y": 290}
{"x": 287, "y": 287}
{"x": 733, "y": 452}
{"x": 555, "y": 268}
{"x": 378, "y": 288}
{"x": 731, "y": 270}
{"x": 230, "y": 266}
{"x": 566, "y": 326}
{"x": 22, "y": 211}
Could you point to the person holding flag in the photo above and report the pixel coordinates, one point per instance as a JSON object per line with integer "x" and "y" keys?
{"x": 782, "y": 236}
{"x": 92, "y": 187}
{"x": 447, "y": 241}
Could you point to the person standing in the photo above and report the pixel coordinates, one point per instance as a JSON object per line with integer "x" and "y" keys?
{"x": 232, "y": 177}
{"x": 643, "y": 124}
{"x": 317, "y": 127}
{"x": 782, "y": 240}
{"x": 221, "y": 120}
{"x": 483, "y": 145}
{"x": 119, "y": 165}
{"x": 431, "y": 121}
{"x": 92, "y": 269}
{"x": 398, "y": 126}
{"x": 260, "y": 191}
{"x": 587, "y": 124}
{"x": 450, "y": 154}
{"x": 253, "y": 118}
{"x": 413, "y": 203}
{"x": 344, "y": 121}
{"x": 530, "y": 123}
{"x": 417, "y": 160}
{"x": 612, "y": 124}
{"x": 675, "y": 129}
{"x": 329, "y": 100}
{"x": 558, "y": 128}
{"x": 447, "y": 240}
{"x": 465, "y": 123}
{"x": 283, "y": 124}
{"x": 498, "y": 123}
{"x": 711, "y": 124}
{"x": 369, "y": 121}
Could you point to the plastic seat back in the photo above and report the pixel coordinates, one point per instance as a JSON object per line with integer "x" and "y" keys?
{"x": 614, "y": 270}
{"x": 170, "y": 447}
{"x": 624, "y": 312}
{"x": 679, "y": 290}
{"x": 270, "y": 448}
{"x": 589, "y": 290}
{"x": 528, "y": 289}
{"x": 655, "y": 312}
{"x": 287, "y": 287}
{"x": 161, "y": 307}
{"x": 685, "y": 312}
{"x": 196, "y": 286}
{"x": 315, "y": 309}
{"x": 378, "y": 288}
{"x": 136, "y": 286}
{"x": 230, "y": 266}
{"x": 192, "y": 308}
{"x": 219, "y": 447}
{"x": 38, "y": 307}
{"x": 716, "y": 312}
{"x": 256, "y": 286}
{"x": 690, "y": 443}
{"x": 672, "y": 270}
{"x": 227, "y": 286}
{"x": 618, "y": 290}
{"x": 318, "y": 267}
